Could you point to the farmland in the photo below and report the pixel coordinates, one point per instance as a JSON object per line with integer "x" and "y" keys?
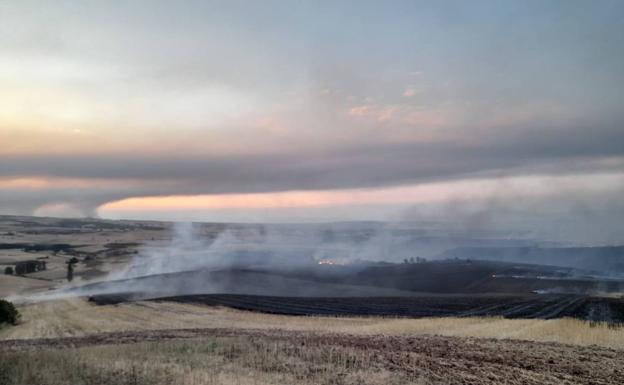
{"x": 78, "y": 342}
{"x": 204, "y": 356}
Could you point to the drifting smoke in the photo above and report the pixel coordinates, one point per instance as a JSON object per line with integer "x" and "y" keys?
{"x": 198, "y": 256}
{"x": 278, "y": 247}
{"x": 292, "y": 259}
{"x": 191, "y": 261}
{"x": 186, "y": 251}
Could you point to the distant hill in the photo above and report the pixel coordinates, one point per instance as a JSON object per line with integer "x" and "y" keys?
{"x": 607, "y": 259}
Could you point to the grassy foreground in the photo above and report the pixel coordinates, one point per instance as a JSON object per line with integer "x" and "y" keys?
{"x": 236, "y": 356}
{"x": 73, "y": 342}
{"x": 233, "y": 360}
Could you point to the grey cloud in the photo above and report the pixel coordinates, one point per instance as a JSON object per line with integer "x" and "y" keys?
{"x": 353, "y": 165}
{"x": 520, "y": 152}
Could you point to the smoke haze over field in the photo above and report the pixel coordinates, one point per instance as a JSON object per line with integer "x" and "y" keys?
{"x": 348, "y": 259}
{"x": 487, "y": 114}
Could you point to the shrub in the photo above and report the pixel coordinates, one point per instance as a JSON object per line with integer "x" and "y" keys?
{"x": 8, "y": 270}
{"x": 8, "y": 313}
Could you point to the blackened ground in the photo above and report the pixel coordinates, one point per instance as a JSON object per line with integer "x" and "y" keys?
{"x": 365, "y": 280}
{"x": 598, "y": 309}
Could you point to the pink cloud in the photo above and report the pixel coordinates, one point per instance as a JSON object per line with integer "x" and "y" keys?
{"x": 360, "y": 111}
{"x": 398, "y": 114}
{"x": 409, "y": 92}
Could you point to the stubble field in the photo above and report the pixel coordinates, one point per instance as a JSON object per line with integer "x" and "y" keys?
{"x": 77, "y": 342}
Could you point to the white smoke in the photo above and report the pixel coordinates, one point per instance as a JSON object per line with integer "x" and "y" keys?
{"x": 186, "y": 251}
{"x": 205, "y": 248}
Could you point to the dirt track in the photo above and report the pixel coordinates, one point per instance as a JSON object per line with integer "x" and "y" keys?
{"x": 446, "y": 359}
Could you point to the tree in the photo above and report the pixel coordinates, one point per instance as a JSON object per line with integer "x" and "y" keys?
{"x": 8, "y": 313}
{"x": 70, "y": 268}
{"x": 70, "y": 272}
{"x": 8, "y": 270}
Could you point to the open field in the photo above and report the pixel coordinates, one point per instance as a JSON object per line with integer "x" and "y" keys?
{"x": 77, "y": 317}
{"x": 174, "y": 343}
{"x": 14, "y": 285}
{"x": 209, "y": 360}
{"x": 239, "y": 356}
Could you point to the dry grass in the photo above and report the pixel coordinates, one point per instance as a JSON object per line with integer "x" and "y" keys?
{"x": 10, "y": 284}
{"x": 77, "y": 317}
{"x": 214, "y": 361}
{"x": 565, "y": 330}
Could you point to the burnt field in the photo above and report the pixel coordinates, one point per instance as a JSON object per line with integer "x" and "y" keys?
{"x": 597, "y": 309}
{"x": 469, "y": 278}
{"x": 432, "y": 289}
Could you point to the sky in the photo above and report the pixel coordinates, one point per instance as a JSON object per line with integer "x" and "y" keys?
{"x": 315, "y": 111}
